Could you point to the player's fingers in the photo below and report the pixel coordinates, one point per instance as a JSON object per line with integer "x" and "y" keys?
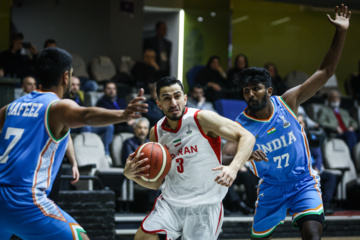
{"x": 346, "y": 11}
{"x": 141, "y": 92}
{"x": 140, "y": 162}
{"x": 143, "y": 168}
{"x": 349, "y": 15}
{"x": 341, "y": 11}
{"x": 219, "y": 177}
{"x": 218, "y": 168}
{"x": 329, "y": 18}
{"x": 130, "y": 157}
{"x": 137, "y": 158}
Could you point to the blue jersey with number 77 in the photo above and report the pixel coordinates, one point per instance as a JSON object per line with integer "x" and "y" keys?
{"x": 30, "y": 156}
{"x": 283, "y": 140}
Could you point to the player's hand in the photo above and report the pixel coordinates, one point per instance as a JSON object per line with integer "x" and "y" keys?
{"x": 342, "y": 17}
{"x": 227, "y": 175}
{"x": 133, "y": 168}
{"x": 258, "y": 155}
{"x": 136, "y": 107}
{"x": 75, "y": 174}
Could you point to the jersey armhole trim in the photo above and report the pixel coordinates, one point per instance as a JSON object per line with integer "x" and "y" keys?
{"x": 287, "y": 107}
{"x": 47, "y": 124}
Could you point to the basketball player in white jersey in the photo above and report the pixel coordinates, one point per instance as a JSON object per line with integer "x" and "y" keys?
{"x": 190, "y": 205}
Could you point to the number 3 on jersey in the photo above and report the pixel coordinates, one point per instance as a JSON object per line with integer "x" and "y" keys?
{"x": 17, "y": 132}
{"x": 180, "y": 167}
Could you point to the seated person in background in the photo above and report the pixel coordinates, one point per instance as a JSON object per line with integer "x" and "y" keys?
{"x": 232, "y": 200}
{"x": 327, "y": 179}
{"x": 86, "y": 84}
{"x": 106, "y": 132}
{"x": 28, "y": 84}
{"x": 337, "y": 121}
{"x": 19, "y": 60}
{"x": 197, "y": 100}
{"x": 154, "y": 114}
{"x": 110, "y": 100}
{"x": 1, "y": 72}
{"x": 240, "y": 63}
{"x": 147, "y": 71}
{"x": 50, "y": 43}
{"x": 213, "y": 78}
{"x": 141, "y": 130}
{"x": 277, "y": 83}
{"x": 233, "y": 91}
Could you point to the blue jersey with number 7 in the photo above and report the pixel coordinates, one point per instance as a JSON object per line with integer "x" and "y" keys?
{"x": 30, "y": 156}
{"x": 283, "y": 140}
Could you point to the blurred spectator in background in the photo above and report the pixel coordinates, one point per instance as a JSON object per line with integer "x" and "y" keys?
{"x": 196, "y": 99}
{"x": 328, "y": 180}
{"x": 50, "y": 43}
{"x": 212, "y": 78}
{"x": 147, "y": 71}
{"x": 106, "y": 132}
{"x": 154, "y": 114}
{"x": 277, "y": 83}
{"x": 86, "y": 84}
{"x": 162, "y": 48}
{"x": 28, "y": 84}
{"x": 110, "y": 100}
{"x": 337, "y": 121}
{"x": 141, "y": 131}
{"x": 19, "y": 60}
{"x": 240, "y": 63}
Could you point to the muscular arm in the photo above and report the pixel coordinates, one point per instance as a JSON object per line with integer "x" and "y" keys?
{"x": 299, "y": 94}
{"x": 67, "y": 114}
{"x": 214, "y": 125}
{"x": 133, "y": 170}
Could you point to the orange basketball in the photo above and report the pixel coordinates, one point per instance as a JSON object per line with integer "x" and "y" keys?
{"x": 159, "y": 160}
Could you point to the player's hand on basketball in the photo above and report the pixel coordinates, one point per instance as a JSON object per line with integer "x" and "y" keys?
{"x": 136, "y": 107}
{"x": 258, "y": 155}
{"x": 75, "y": 174}
{"x": 135, "y": 165}
{"x": 342, "y": 17}
{"x": 227, "y": 175}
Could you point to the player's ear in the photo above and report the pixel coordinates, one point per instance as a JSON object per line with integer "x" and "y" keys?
{"x": 185, "y": 98}
{"x": 270, "y": 91}
{"x": 158, "y": 104}
{"x": 65, "y": 77}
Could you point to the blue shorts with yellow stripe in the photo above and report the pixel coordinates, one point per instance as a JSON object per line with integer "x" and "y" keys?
{"x": 29, "y": 214}
{"x": 300, "y": 198}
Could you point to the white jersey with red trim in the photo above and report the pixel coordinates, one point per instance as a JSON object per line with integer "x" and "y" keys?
{"x": 190, "y": 180}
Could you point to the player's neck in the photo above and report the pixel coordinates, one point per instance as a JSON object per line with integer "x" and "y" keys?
{"x": 264, "y": 113}
{"x": 55, "y": 89}
{"x": 171, "y": 124}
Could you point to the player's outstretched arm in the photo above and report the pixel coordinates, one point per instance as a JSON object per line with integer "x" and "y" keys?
{"x": 134, "y": 167}
{"x": 67, "y": 114}
{"x": 214, "y": 125}
{"x": 297, "y": 95}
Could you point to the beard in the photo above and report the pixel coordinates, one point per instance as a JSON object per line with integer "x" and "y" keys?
{"x": 261, "y": 105}
{"x": 176, "y": 118}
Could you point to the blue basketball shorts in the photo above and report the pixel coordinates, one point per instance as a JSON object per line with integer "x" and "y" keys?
{"x": 29, "y": 214}
{"x": 300, "y": 198}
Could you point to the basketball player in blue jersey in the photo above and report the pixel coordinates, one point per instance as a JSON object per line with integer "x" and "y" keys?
{"x": 190, "y": 204}
{"x": 34, "y": 136}
{"x": 287, "y": 180}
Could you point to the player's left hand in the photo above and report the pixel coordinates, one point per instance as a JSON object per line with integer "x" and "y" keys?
{"x": 258, "y": 155}
{"x": 227, "y": 175}
{"x": 75, "y": 173}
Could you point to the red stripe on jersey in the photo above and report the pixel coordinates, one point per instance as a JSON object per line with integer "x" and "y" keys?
{"x": 156, "y": 231}
{"x": 156, "y": 134}
{"x": 221, "y": 209}
{"x": 215, "y": 143}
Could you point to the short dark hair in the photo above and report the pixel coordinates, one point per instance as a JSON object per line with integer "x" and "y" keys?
{"x": 166, "y": 82}
{"x": 49, "y": 41}
{"x": 252, "y": 76}
{"x": 197, "y": 85}
{"x": 158, "y": 24}
{"x": 51, "y": 63}
{"x": 211, "y": 59}
{"x": 108, "y": 82}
